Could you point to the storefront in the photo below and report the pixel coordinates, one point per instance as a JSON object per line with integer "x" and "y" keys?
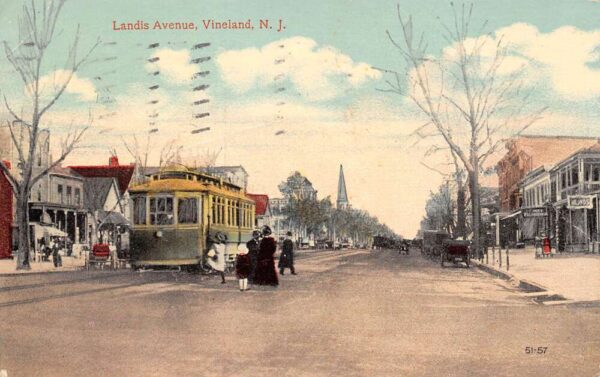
{"x": 577, "y": 223}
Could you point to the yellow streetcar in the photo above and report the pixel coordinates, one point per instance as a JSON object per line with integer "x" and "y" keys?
{"x": 178, "y": 210}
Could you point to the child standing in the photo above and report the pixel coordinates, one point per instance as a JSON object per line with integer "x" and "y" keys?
{"x": 243, "y": 267}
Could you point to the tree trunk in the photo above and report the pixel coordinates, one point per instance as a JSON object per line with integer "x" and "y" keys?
{"x": 476, "y": 208}
{"x": 460, "y": 209}
{"x": 23, "y": 232}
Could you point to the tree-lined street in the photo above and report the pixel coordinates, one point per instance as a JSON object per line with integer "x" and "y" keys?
{"x": 355, "y": 313}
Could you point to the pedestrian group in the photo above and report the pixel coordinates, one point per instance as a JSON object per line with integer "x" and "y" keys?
{"x": 255, "y": 261}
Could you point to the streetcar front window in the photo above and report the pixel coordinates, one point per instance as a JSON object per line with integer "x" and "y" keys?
{"x": 161, "y": 211}
{"x": 139, "y": 210}
{"x": 187, "y": 211}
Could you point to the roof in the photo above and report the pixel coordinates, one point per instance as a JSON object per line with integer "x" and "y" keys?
{"x": 262, "y": 202}
{"x": 593, "y": 149}
{"x": 95, "y": 192}
{"x": 228, "y": 168}
{"x": 65, "y": 171}
{"x": 170, "y": 185}
{"x": 549, "y": 150}
{"x": 122, "y": 173}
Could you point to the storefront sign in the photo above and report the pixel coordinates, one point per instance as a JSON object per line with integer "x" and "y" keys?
{"x": 534, "y": 212}
{"x": 580, "y": 201}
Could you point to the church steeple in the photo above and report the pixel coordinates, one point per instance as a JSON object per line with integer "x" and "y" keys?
{"x": 342, "y": 194}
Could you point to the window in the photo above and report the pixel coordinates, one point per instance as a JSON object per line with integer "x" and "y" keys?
{"x": 574, "y": 177}
{"x": 187, "y": 211}
{"x": 69, "y": 192}
{"x": 216, "y": 210}
{"x": 59, "y": 190}
{"x": 77, "y": 196}
{"x": 596, "y": 174}
{"x": 222, "y": 212}
{"x": 161, "y": 211}
{"x": 139, "y": 210}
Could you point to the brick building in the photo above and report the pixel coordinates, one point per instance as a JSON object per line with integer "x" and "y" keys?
{"x": 526, "y": 153}
{"x": 6, "y": 216}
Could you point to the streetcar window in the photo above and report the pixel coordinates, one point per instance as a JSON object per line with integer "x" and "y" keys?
{"x": 161, "y": 211}
{"x": 187, "y": 211}
{"x": 214, "y": 210}
{"x": 222, "y": 212}
{"x": 139, "y": 210}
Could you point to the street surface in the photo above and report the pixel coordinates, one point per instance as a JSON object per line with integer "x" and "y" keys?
{"x": 351, "y": 313}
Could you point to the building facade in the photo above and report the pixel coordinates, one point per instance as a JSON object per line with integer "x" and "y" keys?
{"x": 232, "y": 174}
{"x": 575, "y": 191}
{"x": 57, "y": 200}
{"x": 526, "y": 153}
{"x": 536, "y": 218}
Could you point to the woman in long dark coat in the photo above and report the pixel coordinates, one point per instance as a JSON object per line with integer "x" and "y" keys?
{"x": 265, "y": 267}
{"x": 253, "y": 248}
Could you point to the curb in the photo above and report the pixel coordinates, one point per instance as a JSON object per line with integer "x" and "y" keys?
{"x": 523, "y": 284}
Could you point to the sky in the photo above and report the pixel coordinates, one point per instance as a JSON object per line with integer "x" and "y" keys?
{"x": 307, "y": 97}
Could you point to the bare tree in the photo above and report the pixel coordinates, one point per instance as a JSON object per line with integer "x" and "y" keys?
{"x": 470, "y": 103}
{"x": 36, "y": 31}
{"x": 170, "y": 153}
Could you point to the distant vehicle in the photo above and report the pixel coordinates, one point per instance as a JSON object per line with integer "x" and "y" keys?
{"x": 455, "y": 251}
{"x": 433, "y": 242}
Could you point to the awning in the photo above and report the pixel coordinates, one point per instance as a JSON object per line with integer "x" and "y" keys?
{"x": 46, "y": 230}
{"x": 511, "y": 215}
{"x": 112, "y": 218}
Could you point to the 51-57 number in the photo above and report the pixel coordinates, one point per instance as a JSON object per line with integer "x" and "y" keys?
{"x": 536, "y": 350}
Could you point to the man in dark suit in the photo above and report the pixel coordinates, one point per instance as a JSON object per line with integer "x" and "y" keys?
{"x": 286, "y": 260}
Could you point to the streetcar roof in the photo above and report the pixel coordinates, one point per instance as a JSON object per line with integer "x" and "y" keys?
{"x": 184, "y": 185}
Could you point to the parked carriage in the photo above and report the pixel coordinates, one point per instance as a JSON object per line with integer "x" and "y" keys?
{"x": 178, "y": 210}
{"x": 455, "y": 251}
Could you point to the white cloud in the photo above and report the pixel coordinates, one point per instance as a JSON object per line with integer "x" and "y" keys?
{"x": 82, "y": 87}
{"x": 175, "y": 65}
{"x": 317, "y": 72}
{"x": 561, "y": 57}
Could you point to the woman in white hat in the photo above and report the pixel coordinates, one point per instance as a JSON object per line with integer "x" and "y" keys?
{"x": 216, "y": 254}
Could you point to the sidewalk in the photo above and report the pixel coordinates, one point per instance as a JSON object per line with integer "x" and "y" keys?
{"x": 573, "y": 276}
{"x": 8, "y": 266}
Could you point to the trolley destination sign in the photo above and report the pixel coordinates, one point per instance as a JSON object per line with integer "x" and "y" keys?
{"x": 580, "y": 201}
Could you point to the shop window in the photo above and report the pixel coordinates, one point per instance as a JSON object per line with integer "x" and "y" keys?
{"x": 187, "y": 211}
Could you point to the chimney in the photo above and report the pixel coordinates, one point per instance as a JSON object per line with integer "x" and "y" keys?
{"x": 113, "y": 161}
